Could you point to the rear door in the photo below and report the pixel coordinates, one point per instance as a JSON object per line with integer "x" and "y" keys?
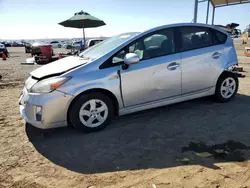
{"x": 202, "y": 58}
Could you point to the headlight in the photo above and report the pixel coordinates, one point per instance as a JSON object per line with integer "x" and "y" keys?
{"x": 48, "y": 85}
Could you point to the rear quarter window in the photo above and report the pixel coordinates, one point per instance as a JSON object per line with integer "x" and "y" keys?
{"x": 219, "y": 37}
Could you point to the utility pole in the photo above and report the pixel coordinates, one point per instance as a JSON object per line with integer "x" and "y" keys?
{"x": 195, "y": 10}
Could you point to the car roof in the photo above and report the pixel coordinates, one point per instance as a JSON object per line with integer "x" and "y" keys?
{"x": 139, "y": 34}
{"x": 185, "y": 24}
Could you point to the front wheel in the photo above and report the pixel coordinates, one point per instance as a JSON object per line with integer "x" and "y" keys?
{"x": 227, "y": 87}
{"x": 91, "y": 112}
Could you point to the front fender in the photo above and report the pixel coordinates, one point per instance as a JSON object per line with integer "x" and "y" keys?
{"x": 112, "y": 86}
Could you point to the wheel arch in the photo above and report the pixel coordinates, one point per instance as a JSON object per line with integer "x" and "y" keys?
{"x": 218, "y": 96}
{"x": 100, "y": 90}
{"x": 225, "y": 72}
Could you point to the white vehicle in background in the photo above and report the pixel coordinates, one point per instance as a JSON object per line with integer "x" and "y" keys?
{"x": 92, "y": 42}
{"x": 77, "y": 44}
{"x": 89, "y": 43}
{"x": 64, "y": 43}
{"x": 55, "y": 44}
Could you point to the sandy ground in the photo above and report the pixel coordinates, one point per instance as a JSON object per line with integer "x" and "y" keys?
{"x": 193, "y": 144}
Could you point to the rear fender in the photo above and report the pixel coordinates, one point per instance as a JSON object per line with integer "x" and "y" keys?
{"x": 230, "y": 59}
{"x": 230, "y": 55}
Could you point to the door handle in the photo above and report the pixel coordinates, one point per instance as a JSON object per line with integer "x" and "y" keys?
{"x": 173, "y": 66}
{"x": 216, "y": 55}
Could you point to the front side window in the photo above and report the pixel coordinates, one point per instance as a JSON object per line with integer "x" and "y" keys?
{"x": 157, "y": 44}
{"x": 195, "y": 37}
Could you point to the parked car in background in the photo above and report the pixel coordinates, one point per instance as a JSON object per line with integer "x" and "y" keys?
{"x": 132, "y": 72}
{"x": 2, "y": 46}
{"x": 77, "y": 44}
{"x": 73, "y": 45}
{"x": 63, "y": 43}
{"x": 7, "y": 44}
{"x": 68, "y": 46}
{"x": 17, "y": 44}
{"x": 36, "y": 48}
{"x": 55, "y": 44}
{"x": 92, "y": 42}
{"x": 4, "y": 50}
{"x": 27, "y": 47}
{"x": 89, "y": 43}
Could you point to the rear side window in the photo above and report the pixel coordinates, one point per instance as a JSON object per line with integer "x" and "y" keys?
{"x": 195, "y": 37}
{"x": 219, "y": 37}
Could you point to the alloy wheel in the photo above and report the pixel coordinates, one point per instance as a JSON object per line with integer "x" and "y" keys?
{"x": 228, "y": 87}
{"x": 93, "y": 113}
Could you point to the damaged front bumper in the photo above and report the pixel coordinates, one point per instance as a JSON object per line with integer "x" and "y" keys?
{"x": 45, "y": 111}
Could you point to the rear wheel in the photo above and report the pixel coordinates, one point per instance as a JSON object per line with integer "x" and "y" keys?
{"x": 227, "y": 87}
{"x": 91, "y": 112}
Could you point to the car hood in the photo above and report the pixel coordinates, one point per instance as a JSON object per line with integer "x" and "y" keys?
{"x": 59, "y": 67}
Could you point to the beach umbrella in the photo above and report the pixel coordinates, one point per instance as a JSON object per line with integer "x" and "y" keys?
{"x": 82, "y": 20}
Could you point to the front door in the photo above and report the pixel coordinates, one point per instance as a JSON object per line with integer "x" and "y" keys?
{"x": 158, "y": 73}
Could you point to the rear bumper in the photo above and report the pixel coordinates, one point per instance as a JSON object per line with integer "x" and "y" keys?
{"x": 45, "y": 111}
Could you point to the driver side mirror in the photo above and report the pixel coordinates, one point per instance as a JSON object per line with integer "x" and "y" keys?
{"x": 131, "y": 58}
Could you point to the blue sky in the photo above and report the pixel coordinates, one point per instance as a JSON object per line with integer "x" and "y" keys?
{"x": 30, "y": 19}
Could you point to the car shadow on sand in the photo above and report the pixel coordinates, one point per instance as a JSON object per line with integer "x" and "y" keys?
{"x": 194, "y": 132}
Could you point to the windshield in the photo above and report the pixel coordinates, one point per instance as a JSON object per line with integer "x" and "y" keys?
{"x": 107, "y": 45}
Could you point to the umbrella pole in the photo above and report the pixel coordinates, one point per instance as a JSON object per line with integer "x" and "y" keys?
{"x": 83, "y": 37}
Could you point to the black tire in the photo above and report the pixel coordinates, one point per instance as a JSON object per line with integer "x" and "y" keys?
{"x": 59, "y": 45}
{"x": 218, "y": 96}
{"x": 77, "y": 104}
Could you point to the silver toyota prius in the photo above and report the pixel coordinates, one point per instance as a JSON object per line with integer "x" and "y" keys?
{"x": 131, "y": 72}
